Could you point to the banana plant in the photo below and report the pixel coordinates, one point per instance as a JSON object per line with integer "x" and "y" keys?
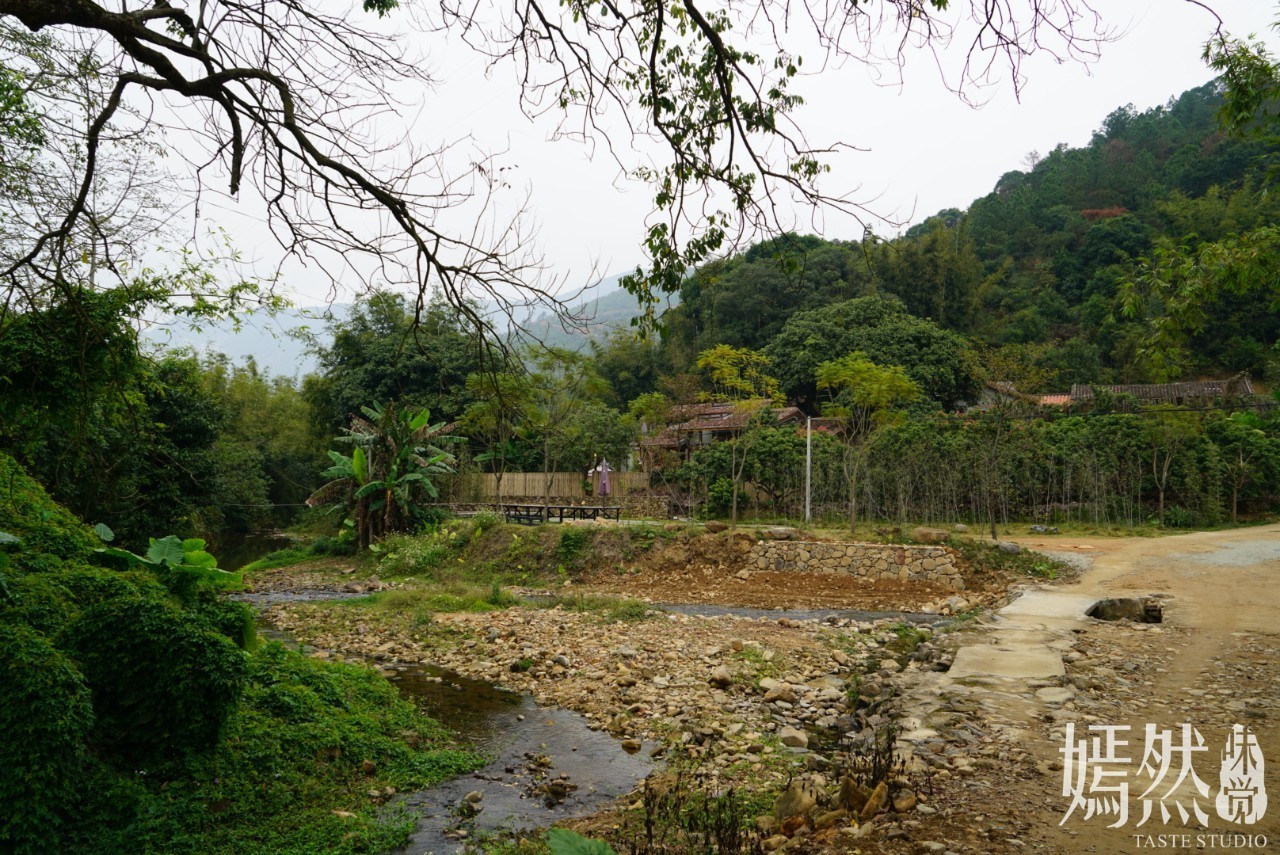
{"x": 387, "y": 480}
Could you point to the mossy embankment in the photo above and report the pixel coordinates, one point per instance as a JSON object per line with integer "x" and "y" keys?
{"x": 141, "y": 715}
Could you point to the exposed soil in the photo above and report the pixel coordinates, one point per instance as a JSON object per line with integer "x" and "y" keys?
{"x": 708, "y": 584}
{"x": 714, "y": 570}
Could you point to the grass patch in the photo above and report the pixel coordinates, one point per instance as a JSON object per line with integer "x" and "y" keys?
{"x": 294, "y": 752}
{"x": 609, "y": 609}
{"x": 280, "y": 558}
{"x": 450, "y": 597}
{"x": 985, "y": 555}
{"x": 907, "y": 638}
{"x": 760, "y": 666}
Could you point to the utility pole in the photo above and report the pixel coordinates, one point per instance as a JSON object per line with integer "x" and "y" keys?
{"x": 808, "y": 468}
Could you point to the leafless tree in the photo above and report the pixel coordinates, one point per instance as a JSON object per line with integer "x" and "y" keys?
{"x": 285, "y": 94}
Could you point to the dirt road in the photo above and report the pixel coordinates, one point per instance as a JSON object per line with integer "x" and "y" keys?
{"x": 1213, "y": 663}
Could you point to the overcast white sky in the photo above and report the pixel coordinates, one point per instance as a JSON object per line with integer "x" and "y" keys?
{"x": 926, "y": 149}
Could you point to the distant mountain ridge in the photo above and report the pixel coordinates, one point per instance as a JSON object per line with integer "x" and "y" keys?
{"x": 608, "y": 308}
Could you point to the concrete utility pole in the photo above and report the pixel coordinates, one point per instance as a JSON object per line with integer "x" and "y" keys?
{"x": 808, "y": 466}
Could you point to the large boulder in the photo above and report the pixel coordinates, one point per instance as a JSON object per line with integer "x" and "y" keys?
{"x": 923, "y": 534}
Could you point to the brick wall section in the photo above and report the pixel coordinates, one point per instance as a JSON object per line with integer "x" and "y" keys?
{"x": 935, "y": 564}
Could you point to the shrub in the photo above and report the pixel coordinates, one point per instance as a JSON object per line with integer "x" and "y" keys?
{"x": 39, "y": 601}
{"x": 720, "y": 497}
{"x": 45, "y": 715}
{"x": 344, "y": 543}
{"x": 572, "y": 539}
{"x": 406, "y": 555}
{"x": 163, "y": 680}
{"x": 432, "y": 516}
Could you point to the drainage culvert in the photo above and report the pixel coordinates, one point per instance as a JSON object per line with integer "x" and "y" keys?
{"x": 1135, "y": 609}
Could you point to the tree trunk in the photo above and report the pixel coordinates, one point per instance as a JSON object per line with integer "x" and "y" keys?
{"x": 991, "y": 513}
{"x": 546, "y": 473}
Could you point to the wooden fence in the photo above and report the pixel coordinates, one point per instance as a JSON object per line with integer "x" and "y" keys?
{"x": 484, "y": 485}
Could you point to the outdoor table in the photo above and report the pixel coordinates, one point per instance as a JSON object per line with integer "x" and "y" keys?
{"x": 525, "y": 514}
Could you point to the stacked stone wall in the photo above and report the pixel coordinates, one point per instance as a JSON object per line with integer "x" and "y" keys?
{"x": 935, "y": 564}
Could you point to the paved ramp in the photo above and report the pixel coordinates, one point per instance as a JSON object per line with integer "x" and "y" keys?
{"x": 1028, "y": 639}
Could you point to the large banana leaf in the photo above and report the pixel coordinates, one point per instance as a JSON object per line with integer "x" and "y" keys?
{"x": 360, "y": 465}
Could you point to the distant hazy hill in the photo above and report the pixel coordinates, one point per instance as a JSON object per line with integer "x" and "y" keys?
{"x": 606, "y": 307}
{"x": 273, "y": 342}
{"x": 276, "y": 346}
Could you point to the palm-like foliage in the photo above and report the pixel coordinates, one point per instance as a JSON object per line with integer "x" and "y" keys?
{"x": 386, "y": 482}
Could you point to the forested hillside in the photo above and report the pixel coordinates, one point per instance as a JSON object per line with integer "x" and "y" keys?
{"x": 1037, "y": 265}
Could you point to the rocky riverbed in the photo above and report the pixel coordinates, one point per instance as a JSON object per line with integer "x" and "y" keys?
{"x": 780, "y": 706}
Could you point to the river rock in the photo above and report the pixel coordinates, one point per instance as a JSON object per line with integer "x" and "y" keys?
{"x": 721, "y": 677}
{"x": 852, "y": 795}
{"x": 1055, "y": 695}
{"x": 793, "y": 738}
{"x": 780, "y": 693}
{"x": 1010, "y": 548}
{"x": 875, "y": 801}
{"x": 796, "y": 800}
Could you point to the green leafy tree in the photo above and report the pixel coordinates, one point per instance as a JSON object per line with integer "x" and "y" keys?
{"x": 559, "y": 384}
{"x": 1169, "y": 433}
{"x": 940, "y": 361}
{"x": 738, "y": 377}
{"x": 382, "y": 351}
{"x": 268, "y": 452}
{"x": 629, "y": 364}
{"x": 1248, "y": 455}
{"x": 496, "y": 418}
{"x": 866, "y": 399}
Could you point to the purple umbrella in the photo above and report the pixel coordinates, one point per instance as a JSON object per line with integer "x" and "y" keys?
{"x": 603, "y": 487}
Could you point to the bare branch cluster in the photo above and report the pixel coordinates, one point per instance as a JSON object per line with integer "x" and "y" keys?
{"x": 288, "y": 95}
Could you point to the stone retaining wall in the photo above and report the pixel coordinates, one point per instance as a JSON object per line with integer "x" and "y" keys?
{"x": 934, "y": 564}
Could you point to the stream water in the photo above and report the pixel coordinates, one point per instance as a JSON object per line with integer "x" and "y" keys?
{"x": 236, "y": 550}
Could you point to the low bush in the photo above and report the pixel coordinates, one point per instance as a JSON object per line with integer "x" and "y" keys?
{"x": 163, "y": 679}
{"x": 45, "y": 715}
